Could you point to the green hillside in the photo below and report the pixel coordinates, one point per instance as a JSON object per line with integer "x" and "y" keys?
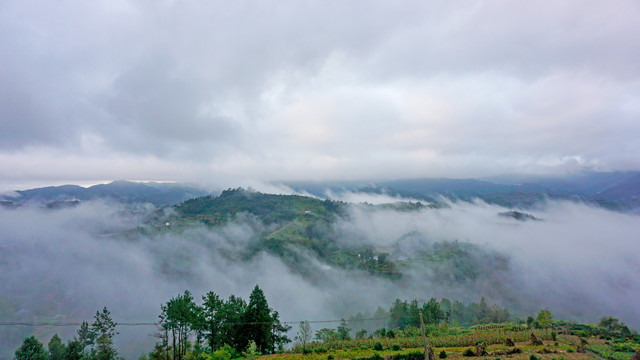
{"x": 295, "y": 227}
{"x": 269, "y": 208}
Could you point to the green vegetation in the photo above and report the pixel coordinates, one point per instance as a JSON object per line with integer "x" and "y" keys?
{"x": 227, "y": 330}
{"x": 269, "y": 208}
{"x": 403, "y": 317}
{"x": 94, "y": 342}
{"x": 292, "y": 227}
{"x": 220, "y": 327}
{"x": 290, "y": 223}
{"x": 215, "y": 330}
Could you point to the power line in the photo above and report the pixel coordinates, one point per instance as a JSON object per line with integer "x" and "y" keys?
{"x": 42, "y": 323}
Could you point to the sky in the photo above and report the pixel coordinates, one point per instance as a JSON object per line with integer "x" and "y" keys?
{"x": 219, "y": 91}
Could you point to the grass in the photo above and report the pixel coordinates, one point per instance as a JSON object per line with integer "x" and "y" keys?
{"x": 453, "y": 345}
{"x": 489, "y": 337}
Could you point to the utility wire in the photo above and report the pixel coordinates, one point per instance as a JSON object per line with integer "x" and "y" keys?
{"x": 42, "y": 323}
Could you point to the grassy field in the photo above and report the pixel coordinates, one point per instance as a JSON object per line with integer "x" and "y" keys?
{"x": 455, "y": 346}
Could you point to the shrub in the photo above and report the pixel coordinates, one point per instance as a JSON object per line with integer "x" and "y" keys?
{"x": 533, "y": 357}
{"x": 554, "y": 335}
{"x": 377, "y": 346}
{"x": 329, "y": 357}
{"x": 469, "y": 352}
{"x": 396, "y": 347}
{"x": 224, "y": 353}
{"x": 443, "y": 354}
{"x": 306, "y": 351}
{"x": 416, "y": 355}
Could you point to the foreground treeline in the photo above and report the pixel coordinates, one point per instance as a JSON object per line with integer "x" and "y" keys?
{"x": 213, "y": 330}
{"x": 93, "y": 341}
{"x": 186, "y": 329}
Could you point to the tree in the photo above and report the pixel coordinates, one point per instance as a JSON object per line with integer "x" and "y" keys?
{"x": 544, "y": 318}
{"x": 433, "y": 314}
{"x": 74, "y": 349}
{"x": 326, "y": 334}
{"x": 398, "y": 314}
{"x": 31, "y": 349}
{"x": 483, "y": 312}
{"x": 103, "y": 329}
{"x": 279, "y": 332}
{"x": 85, "y": 336}
{"x": 212, "y": 319}
{"x": 303, "y": 335}
{"x": 181, "y": 313}
{"x": 343, "y": 331}
{"x": 413, "y": 315}
{"x": 608, "y": 322}
{"x": 380, "y": 317}
{"x": 258, "y": 320}
{"x": 57, "y": 349}
{"x": 530, "y": 322}
{"x": 161, "y": 349}
{"x": 232, "y": 317}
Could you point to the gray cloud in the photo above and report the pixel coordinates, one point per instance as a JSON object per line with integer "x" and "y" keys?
{"x": 316, "y": 90}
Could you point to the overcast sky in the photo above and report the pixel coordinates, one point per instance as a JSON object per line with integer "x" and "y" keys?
{"x": 315, "y": 90}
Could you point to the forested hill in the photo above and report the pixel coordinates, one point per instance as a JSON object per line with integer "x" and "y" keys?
{"x": 270, "y": 208}
{"x": 291, "y": 228}
{"x": 294, "y": 227}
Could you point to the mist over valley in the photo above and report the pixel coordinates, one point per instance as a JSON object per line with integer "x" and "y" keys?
{"x": 315, "y": 258}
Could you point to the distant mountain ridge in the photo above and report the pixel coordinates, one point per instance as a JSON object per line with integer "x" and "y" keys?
{"x": 614, "y": 190}
{"x": 158, "y": 194}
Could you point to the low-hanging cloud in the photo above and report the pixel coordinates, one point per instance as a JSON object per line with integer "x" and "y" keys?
{"x": 65, "y": 264}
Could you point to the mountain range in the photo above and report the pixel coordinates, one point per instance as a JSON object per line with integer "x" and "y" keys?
{"x": 618, "y": 190}
{"x": 614, "y": 190}
{"x": 158, "y": 194}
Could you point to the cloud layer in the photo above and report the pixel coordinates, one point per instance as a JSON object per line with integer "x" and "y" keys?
{"x": 64, "y": 265}
{"x": 315, "y": 90}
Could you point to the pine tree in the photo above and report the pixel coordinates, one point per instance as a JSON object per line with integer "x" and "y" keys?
{"x": 31, "y": 349}
{"x": 258, "y": 320}
{"x": 181, "y": 313}
{"x": 74, "y": 349}
{"x": 212, "y": 319}
{"x": 57, "y": 349}
{"x": 103, "y": 329}
{"x": 232, "y": 317}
